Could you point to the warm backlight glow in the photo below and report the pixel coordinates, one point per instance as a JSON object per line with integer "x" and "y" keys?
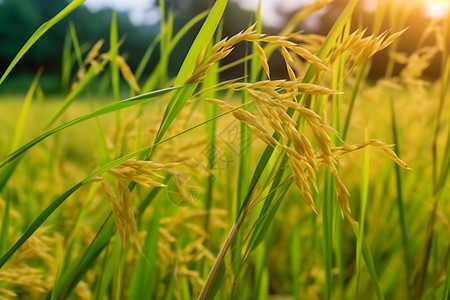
{"x": 436, "y": 8}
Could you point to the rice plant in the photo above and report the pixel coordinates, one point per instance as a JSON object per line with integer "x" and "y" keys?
{"x": 320, "y": 184}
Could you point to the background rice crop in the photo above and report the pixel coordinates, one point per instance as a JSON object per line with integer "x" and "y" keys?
{"x": 324, "y": 183}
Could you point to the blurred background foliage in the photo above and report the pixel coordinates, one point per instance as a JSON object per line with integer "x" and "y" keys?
{"x": 20, "y": 18}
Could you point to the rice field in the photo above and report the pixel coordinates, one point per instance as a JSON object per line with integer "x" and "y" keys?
{"x": 323, "y": 184}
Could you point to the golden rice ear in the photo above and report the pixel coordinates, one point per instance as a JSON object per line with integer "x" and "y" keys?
{"x": 286, "y": 55}
{"x": 291, "y": 72}
{"x": 338, "y": 151}
{"x": 121, "y": 200}
{"x": 94, "y": 52}
{"x": 218, "y": 102}
{"x": 127, "y": 73}
{"x": 218, "y": 46}
{"x": 262, "y": 58}
{"x": 392, "y": 38}
{"x": 308, "y": 56}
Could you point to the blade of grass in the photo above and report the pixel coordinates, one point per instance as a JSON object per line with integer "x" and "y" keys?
{"x": 4, "y": 229}
{"x": 19, "y": 129}
{"x": 331, "y": 38}
{"x": 166, "y": 35}
{"x": 400, "y": 201}
{"x": 179, "y": 99}
{"x": 76, "y": 270}
{"x": 152, "y": 81}
{"x": 295, "y": 255}
{"x": 100, "y": 291}
{"x": 362, "y": 213}
{"x": 99, "y": 112}
{"x": 260, "y": 287}
{"x": 211, "y": 80}
{"x": 368, "y": 259}
{"x": 419, "y": 280}
{"x": 113, "y": 53}
{"x": 338, "y": 84}
{"x": 80, "y": 87}
{"x": 354, "y": 94}
{"x": 39, "y": 32}
{"x": 271, "y": 205}
{"x": 329, "y": 199}
{"x": 76, "y": 44}
{"x": 59, "y": 200}
{"x": 242, "y": 178}
{"x": 66, "y": 62}
{"x": 446, "y": 294}
{"x": 37, "y": 223}
{"x": 100, "y": 242}
{"x": 143, "y": 283}
{"x": 326, "y": 47}
{"x": 146, "y": 57}
{"x": 6, "y": 173}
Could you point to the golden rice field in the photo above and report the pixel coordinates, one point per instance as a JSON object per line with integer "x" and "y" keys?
{"x": 324, "y": 184}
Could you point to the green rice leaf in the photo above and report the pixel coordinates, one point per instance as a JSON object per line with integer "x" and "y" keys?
{"x": 76, "y": 44}
{"x": 113, "y": 53}
{"x": 179, "y": 99}
{"x": 141, "y": 287}
{"x": 4, "y": 229}
{"x": 99, "y": 112}
{"x": 152, "y": 81}
{"x": 362, "y": 213}
{"x": 446, "y": 294}
{"x": 40, "y": 32}
{"x": 368, "y": 259}
{"x": 24, "y": 112}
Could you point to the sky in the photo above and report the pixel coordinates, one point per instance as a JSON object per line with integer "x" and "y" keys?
{"x": 141, "y": 11}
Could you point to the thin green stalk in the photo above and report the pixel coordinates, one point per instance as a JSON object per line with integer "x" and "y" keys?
{"x": 6, "y": 173}
{"x": 330, "y": 41}
{"x": 446, "y": 294}
{"x": 113, "y": 53}
{"x": 76, "y": 44}
{"x": 368, "y": 259}
{"x": 437, "y": 183}
{"x": 296, "y": 262}
{"x": 165, "y": 41}
{"x": 39, "y": 33}
{"x": 98, "y": 244}
{"x": 178, "y": 100}
{"x": 211, "y": 79}
{"x": 327, "y": 219}
{"x": 242, "y": 181}
{"x": 66, "y": 63}
{"x": 143, "y": 284}
{"x": 362, "y": 215}
{"x": 400, "y": 205}
{"x": 260, "y": 287}
{"x": 4, "y": 229}
{"x": 152, "y": 81}
{"x": 338, "y": 84}
{"x": 354, "y": 94}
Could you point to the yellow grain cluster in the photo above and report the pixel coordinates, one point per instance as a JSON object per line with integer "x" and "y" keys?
{"x": 127, "y": 74}
{"x": 91, "y": 59}
{"x": 277, "y": 101}
{"x": 178, "y": 260}
{"x": 359, "y": 48}
{"x": 121, "y": 201}
{"x": 223, "y": 48}
{"x": 22, "y": 276}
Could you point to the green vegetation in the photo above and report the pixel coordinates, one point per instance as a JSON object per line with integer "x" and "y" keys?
{"x": 320, "y": 185}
